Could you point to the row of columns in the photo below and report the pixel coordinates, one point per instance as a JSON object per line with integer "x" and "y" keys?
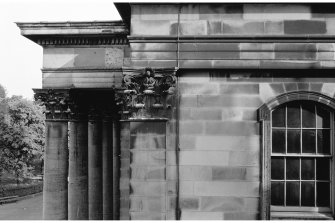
{"x": 81, "y": 169}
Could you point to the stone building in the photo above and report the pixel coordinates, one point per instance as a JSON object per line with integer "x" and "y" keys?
{"x": 190, "y": 111}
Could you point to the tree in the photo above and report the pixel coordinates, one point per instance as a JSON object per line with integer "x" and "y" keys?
{"x": 22, "y": 132}
{"x": 3, "y": 92}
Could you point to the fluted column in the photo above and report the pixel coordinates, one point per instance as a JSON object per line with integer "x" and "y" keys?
{"x": 95, "y": 166}
{"x": 116, "y": 169}
{"x": 78, "y": 167}
{"x": 107, "y": 161}
{"x": 55, "y": 185}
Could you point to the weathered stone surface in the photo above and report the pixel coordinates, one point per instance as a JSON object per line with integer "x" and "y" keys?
{"x": 187, "y": 142}
{"x": 221, "y": 204}
{"x": 207, "y": 47}
{"x": 171, "y": 172}
{"x": 153, "y": 47}
{"x": 303, "y": 86}
{"x": 114, "y": 57}
{"x": 239, "y": 189}
{"x": 200, "y": 55}
{"x": 195, "y": 173}
{"x": 147, "y": 204}
{"x": 150, "y": 27}
{"x": 153, "y": 55}
{"x": 143, "y": 188}
{"x": 147, "y": 142}
{"x": 188, "y": 101}
{"x": 229, "y": 173}
{"x": 204, "y": 158}
{"x": 148, "y": 127}
{"x": 171, "y": 186}
{"x": 238, "y": 114}
{"x": 257, "y": 47}
{"x": 296, "y": 47}
{"x": 290, "y": 87}
{"x": 232, "y": 128}
{"x": 226, "y": 143}
{"x": 295, "y": 55}
{"x": 189, "y": 12}
{"x": 257, "y": 55}
{"x": 325, "y": 56}
{"x": 239, "y": 89}
{"x": 304, "y": 27}
{"x": 147, "y": 173}
{"x": 289, "y": 64}
{"x": 328, "y": 89}
{"x": 89, "y": 57}
{"x": 147, "y": 216}
{"x": 315, "y": 87}
{"x": 276, "y": 11}
{"x": 325, "y": 47}
{"x": 274, "y": 28}
{"x": 236, "y": 64}
{"x": 228, "y": 101}
{"x": 153, "y": 63}
{"x": 277, "y": 88}
{"x": 191, "y": 127}
{"x": 154, "y": 12}
{"x": 244, "y": 158}
{"x": 239, "y": 27}
{"x": 220, "y": 11}
{"x": 214, "y": 27}
{"x": 241, "y": 216}
{"x": 58, "y": 57}
{"x": 199, "y": 89}
{"x": 147, "y": 158}
{"x": 330, "y": 26}
{"x": 195, "y": 215}
{"x": 186, "y": 188}
{"x": 193, "y": 27}
{"x": 190, "y": 203}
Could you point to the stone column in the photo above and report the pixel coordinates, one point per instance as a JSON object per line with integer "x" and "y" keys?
{"x": 116, "y": 169}
{"x": 107, "y": 162}
{"x": 95, "y": 166}
{"x": 78, "y": 169}
{"x": 55, "y": 185}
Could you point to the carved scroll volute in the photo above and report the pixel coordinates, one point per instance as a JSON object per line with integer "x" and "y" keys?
{"x": 145, "y": 91}
{"x": 56, "y": 102}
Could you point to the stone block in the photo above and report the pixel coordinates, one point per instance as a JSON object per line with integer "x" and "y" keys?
{"x": 204, "y": 158}
{"x": 193, "y": 47}
{"x": 229, "y": 101}
{"x": 143, "y": 188}
{"x": 214, "y": 27}
{"x": 239, "y": 189}
{"x": 199, "y": 89}
{"x": 147, "y": 142}
{"x": 58, "y": 57}
{"x": 274, "y": 28}
{"x": 200, "y": 55}
{"x": 147, "y": 127}
{"x": 147, "y": 204}
{"x": 244, "y": 158}
{"x": 195, "y": 173}
{"x": 222, "y": 204}
{"x": 227, "y": 143}
{"x": 147, "y": 216}
{"x": 239, "y": 89}
{"x": 229, "y": 173}
{"x": 295, "y": 55}
{"x": 328, "y": 64}
{"x": 193, "y": 28}
{"x": 191, "y": 127}
{"x": 187, "y": 142}
{"x": 303, "y": 86}
{"x": 189, "y": 203}
{"x": 257, "y": 47}
{"x": 328, "y": 89}
{"x": 197, "y": 215}
{"x": 305, "y": 27}
{"x": 156, "y": 173}
{"x": 239, "y": 27}
{"x": 171, "y": 157}
{"x": 153, "y": 55}
{"x": 189, "y": 12}
{"x": 154, "y": 12}
{"x": 186, "y": 188}
{"x": 241, "y": 216}
{"x": 232, "y": 128}
{"x": 289, "y": 64}
{"x": 206, "y": 114}
{"x": 172, "y": 187}
{"x": 153, "y": 47}
{"x": 290, "y": 87}
{"x": 239, "y": 114}
{"x": 278, "y": 88}
{"x": 236, "y": 64}
{"x": 89, "y": 57}
{"x": 295, "y": 47}
{"x": 114, "y": 57}
{"x": 316, "y": 87}
{"x": 330, "y": 23}
{"x": 188, "y": 101}
{"x": 251, "y": 204}
{"x": 257, "y": 55}
{"x": 171, "y": 172}
{"x": 195, "y": 64}
{"x": 325, "y": 47}
{"x": 220, "y": 11}
{"x": 147, "y": 158}
{"x": 153, "y": 63}
{"x": 276, "y": 11}
{"x": 325, "y": 56}
{"x": 150, "y": 27}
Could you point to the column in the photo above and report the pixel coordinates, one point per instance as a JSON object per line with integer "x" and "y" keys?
{"x": 95, "y": 167}
{"x": 56, "y": 156}
{"x": 116, "y": 170}
{"x": 55, "y": 171}
{"x": 107, "y": 162}
{"x": 78, "y": 170}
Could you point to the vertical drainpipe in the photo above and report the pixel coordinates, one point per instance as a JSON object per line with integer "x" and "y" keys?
{"x": 178, "y": 211}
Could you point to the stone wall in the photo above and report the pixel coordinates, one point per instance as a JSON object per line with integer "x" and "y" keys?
{"x": 219, "y": 156}
{"x": 83, "y": 67}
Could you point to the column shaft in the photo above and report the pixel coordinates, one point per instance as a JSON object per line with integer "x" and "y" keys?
{"x": 107, "y": 161}
{"x": 116, "y": 170}
{"x": 55, "y": 185}
{"x": 78, "y": 171}
{"x": 95, "y": 169}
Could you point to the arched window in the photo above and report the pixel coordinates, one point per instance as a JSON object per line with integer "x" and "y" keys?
{"x": 297, "y": 162}
{"x": 301, "y": 157}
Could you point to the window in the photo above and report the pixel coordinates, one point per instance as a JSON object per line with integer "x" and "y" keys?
{"x": 301, "y": 158}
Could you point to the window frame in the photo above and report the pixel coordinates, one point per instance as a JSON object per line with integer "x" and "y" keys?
{"x": 264, "y": 116}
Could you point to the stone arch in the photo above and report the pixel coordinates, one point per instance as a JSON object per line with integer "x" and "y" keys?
{"x": 266, "y": 108}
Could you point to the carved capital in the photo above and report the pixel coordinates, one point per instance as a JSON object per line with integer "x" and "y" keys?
{"x": 56, "y": 102}
{"x": 145, "y": 91}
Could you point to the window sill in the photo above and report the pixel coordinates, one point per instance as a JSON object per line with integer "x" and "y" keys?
{"x": 281, "y": 215}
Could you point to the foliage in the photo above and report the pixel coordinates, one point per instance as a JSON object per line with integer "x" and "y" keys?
{"x": 3, "y": 92}
{"x": 22, "y": 132}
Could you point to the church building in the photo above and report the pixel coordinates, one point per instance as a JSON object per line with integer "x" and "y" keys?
{"x": 190, "y": 111}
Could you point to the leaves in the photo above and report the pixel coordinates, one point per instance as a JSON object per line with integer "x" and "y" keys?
{"x": 22, "y": 130}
